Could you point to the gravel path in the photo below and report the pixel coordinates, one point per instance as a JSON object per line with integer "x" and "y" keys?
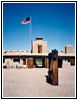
{"x": 32, "y": 83}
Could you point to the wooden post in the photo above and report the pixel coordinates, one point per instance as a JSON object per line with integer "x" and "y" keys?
{"x": 53, "y": 67}
{"x": 55, "y": 74}
{"x": 46, "y": 63}
{"x": 72, "y": 61}
{"x": 30, "y": 62}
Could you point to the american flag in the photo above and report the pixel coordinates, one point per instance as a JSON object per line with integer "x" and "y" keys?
{"x": 26, "y": 20}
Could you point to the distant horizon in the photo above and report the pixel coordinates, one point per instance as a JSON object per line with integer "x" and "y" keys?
{"x": 54, "y": 22}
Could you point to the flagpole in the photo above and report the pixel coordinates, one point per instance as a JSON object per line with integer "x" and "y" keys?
{"x": 31, "y": 33}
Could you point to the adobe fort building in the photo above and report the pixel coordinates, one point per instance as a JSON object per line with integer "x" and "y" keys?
{"x": 39, "y": 53}
{"x": 39, "y": 46}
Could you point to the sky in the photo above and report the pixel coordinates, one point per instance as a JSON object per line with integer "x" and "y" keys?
{"x": 55, "y": 22}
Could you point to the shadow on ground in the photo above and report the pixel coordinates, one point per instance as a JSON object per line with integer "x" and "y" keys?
{"x": 48, "y": 80}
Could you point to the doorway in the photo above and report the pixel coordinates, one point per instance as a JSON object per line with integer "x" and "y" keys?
{"x": 39, "y": 48}
{"x": 24, "y": 61}
{"x": 39, "y": 63}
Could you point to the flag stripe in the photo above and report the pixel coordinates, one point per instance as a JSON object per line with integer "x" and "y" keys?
{"x": 26, "y": 21}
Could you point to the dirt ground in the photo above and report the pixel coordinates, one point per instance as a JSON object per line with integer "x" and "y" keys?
{"x": 32, "y": 83}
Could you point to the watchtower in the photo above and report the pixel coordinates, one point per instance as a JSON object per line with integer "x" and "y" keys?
{"x": 39, "y": 46}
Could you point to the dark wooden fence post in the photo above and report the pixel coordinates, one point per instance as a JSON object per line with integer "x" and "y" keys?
{"x": 53, "y": 67}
